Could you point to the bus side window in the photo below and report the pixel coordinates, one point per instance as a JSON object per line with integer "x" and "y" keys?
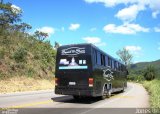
{"x": 109, "y": 62}
{"x": 98, "y": 58}
{"x": 119, "y": 67}
{"x": 95, "y": 56}
{"x": 106, "y": 60}
{"x": 102, "y": 60}
{"x": 115, "y": 66}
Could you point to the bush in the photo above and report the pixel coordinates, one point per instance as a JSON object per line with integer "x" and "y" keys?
{"x": 153, "y": 87}
{"x": 2, "y": 53}
{"x": 149, "y": 73}
{"x": 20, "y": 55}
{"x": 137, "y": 78}
{"x": 30, "y": 72}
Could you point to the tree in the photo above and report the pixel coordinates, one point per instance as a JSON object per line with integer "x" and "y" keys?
{"x": 56, "y": 45}
{"x": 24, "y": 27}
{"x": 9, "y": 15}
{"x": 1, "y": 1}
{"x": 41, "y": 35}
{"x": 149, "y": 73}
{"x": 125, "y": 56}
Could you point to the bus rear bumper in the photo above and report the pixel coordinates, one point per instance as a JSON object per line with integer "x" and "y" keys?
{"x": 75, "y": 92}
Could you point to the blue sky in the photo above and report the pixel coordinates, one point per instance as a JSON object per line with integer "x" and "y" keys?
{"x": 109, "y": 24}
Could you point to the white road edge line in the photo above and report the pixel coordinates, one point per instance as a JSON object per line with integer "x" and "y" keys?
{"x": 132, "y": 86}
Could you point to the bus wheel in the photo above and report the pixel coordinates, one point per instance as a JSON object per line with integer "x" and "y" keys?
{"x": 123, "y": 88}
{"x": 103, "y": 94}
{"x": 108, "y": 94}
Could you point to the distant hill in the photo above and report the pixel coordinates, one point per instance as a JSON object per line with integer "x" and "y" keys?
{"x": 139, "y": 67}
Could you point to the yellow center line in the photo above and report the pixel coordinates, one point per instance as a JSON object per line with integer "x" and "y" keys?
{"x": 29, "y": 104}
{"x": 121, "y": 96}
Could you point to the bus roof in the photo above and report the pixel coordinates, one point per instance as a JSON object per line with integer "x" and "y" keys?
{"x": 92, "y": 45}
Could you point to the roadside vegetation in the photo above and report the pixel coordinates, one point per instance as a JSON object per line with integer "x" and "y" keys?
{"x": 146, "y": 73}
{"x": 149, "y": 76}
{"x": 153, "y": 88}
{"x": 26, "y": 61}
{"x": 23, "y": 83}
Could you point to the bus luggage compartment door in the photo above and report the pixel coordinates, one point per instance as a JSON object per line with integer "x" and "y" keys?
{"x": 73, "y": 79}
{"x": 75, "y": 83}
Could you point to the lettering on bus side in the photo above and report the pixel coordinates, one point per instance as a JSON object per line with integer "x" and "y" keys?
{"x": 73, "y": 51}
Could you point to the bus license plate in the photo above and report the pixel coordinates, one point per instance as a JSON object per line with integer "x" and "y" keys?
{"x": 72, "y": 83}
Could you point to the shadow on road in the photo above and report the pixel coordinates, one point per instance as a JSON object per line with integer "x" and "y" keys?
{"x": 70, "y": 99}
{"x": 84, "y": 100}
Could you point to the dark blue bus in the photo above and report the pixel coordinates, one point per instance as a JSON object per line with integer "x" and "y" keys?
{"x": 83, "y": 70}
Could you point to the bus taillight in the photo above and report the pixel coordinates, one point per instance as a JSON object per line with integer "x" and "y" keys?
{"x": 56, "y": 81}
{"x": 90, "y": 81}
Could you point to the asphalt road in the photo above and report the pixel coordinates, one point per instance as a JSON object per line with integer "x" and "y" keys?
{"x": 46, "y": 102}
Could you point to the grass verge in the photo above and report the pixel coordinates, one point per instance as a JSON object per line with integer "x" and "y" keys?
{"x": 153, "y": 88}
{"x": 19, "y": 84}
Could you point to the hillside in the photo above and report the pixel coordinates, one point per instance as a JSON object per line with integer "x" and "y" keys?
{"x": 23, "y": 54}
{"x": 139, "y": 67}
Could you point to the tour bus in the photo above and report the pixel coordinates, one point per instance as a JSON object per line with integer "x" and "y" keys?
{"x": 83, "y": 70}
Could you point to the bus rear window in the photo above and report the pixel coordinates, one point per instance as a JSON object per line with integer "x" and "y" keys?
{"x": 72, "y": 63}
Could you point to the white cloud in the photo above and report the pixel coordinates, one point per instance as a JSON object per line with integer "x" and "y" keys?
{"x": 93, "y": 29}
{"x": 130, "y": 13}
{"x": 154, "y": 5}
{"x": 111, "y": 3}
{"x": 16, "y": 9}
{"x": 74, "y": 27}
{"x": 135, "y": 50}
{"x": 156, "y": 29}
{"x": 62, "y": 29}
{"x": 155, "y": 13}
{"x": 48, "y": 30}
{"x": 125, "y": 28}
{"x": 94, "y": 40}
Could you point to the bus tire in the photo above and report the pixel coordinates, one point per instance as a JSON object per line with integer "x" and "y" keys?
{"x": 103, "y": 96}
{"x": 123, "y": 88}
{"x": 103, "y": 93}
{"x": 108, "y": 94}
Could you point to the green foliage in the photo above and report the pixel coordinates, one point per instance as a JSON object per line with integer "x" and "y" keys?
{"x": 139, "y": 67}
{"x": 20, "y": 55}
{"x": 23, "y": 54}
{"x": 135, "y": 78}
{"x": 2, "y": 53}
{"x": 125, "y": 56}
{"x": 56, "y": 45}
{"x": 9, "y": 15}
{"x": 30, "y": 72}
{"x": 41, "y": 35}
{"x": 153, "y": 87}
{"x": 149, "y": 73}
